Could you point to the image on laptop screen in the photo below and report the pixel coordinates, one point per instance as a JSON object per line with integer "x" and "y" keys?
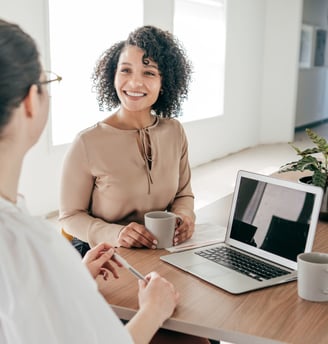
{"x": 272, "y": 218}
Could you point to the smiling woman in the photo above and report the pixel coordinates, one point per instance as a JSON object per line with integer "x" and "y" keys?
{"x": 116, "y": 170}
{"x": 137, "y": 84}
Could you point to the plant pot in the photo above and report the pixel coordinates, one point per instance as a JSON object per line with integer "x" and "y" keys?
{"x": 323, "y": 215}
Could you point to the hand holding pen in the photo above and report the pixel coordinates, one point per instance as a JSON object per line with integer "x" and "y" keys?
{"x": 98, "y": 260}
{"x": 156, "y": 295}
{"x": 153, "y": 287}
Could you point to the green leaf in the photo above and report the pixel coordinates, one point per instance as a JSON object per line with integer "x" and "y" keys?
{"x": 310, "y": 161}
{"x": 319, "y": 141}
{"x": 319, "y": 179}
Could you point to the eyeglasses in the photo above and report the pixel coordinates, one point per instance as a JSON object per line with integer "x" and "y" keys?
{"x": 50, "y": 77}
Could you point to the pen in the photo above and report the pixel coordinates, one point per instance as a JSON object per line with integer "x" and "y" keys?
{"x": 129, "y": 267}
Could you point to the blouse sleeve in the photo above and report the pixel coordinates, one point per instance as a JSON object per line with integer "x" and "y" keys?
{"x": 77, "y": 183}
{"x": 184, "y": 200}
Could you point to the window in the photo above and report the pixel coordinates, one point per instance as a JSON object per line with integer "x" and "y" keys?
{"x": 200, "y": 26}
{"x": 80, "y": 31}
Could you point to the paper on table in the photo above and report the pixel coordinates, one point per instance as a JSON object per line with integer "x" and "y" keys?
{"x": 205, "y": 234}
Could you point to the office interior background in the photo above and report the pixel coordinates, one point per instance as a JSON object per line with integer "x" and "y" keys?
{"x": 266, "y": 93}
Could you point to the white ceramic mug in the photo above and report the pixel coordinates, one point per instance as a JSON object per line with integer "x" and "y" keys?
{"x": 312, "y": 273}
{"x": 162, "y": 225}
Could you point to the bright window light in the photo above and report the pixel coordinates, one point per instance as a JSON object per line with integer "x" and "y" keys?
{"x": 200, "y": 26}
{"x": 80, "y": 31}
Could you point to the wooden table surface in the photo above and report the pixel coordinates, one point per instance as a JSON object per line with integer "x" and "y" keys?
{"x": 271, "y": 315}
{"x": 262, "y": 316}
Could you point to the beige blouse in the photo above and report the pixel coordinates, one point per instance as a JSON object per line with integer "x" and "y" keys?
{"x": 111, "y": 177}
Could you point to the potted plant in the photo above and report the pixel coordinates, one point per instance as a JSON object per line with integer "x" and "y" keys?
{"x": 313, "y": 159}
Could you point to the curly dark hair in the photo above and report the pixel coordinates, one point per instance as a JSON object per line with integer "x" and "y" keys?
{"x": 164, "y": 49}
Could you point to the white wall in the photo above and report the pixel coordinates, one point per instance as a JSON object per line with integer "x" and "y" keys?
{"x": 280, "y": 69}
{"x": 260, "y": 87}
{"x": 312, "y": 104}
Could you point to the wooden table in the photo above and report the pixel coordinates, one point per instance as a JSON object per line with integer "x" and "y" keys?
{"x": 270, "y": 315}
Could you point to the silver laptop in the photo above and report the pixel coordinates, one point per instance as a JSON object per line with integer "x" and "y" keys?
{"x": 271, "y": 221}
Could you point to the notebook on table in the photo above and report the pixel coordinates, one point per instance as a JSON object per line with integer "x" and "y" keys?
{"x": 271, "y": 221}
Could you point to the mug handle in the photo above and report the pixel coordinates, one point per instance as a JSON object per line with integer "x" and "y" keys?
{"x": 325, "y": 290}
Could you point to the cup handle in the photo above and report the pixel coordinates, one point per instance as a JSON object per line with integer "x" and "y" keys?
{"x": 325, "y": 290}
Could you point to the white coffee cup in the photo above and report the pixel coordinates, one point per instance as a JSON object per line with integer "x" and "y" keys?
{"x": 312, "y": 274}
{"x": 162, "y": 225}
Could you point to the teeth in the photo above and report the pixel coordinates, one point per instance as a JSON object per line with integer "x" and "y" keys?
{"x": 134, "y": 94}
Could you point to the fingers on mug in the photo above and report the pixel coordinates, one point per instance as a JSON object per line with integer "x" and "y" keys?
{"x": 162, "y": 225}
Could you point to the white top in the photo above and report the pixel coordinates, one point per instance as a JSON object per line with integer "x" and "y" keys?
{"x": 46, "y": 294}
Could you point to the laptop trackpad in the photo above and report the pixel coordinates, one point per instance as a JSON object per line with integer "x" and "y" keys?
{"x": 207, "y": 270}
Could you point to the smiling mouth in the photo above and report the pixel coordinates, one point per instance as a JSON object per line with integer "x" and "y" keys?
{"x": 134, "y": 94}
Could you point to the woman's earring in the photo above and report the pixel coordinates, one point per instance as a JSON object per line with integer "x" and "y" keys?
{"x": 161, "y": 92}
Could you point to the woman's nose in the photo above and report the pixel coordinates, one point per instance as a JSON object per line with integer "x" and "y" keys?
{"x": 136, "y": 81}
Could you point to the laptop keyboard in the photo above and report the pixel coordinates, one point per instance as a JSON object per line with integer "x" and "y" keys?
{"x": 242, "y": 263}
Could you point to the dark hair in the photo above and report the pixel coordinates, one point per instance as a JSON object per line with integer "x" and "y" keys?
{"x": 19, "y": 68}
{"x": 164, "y": 49}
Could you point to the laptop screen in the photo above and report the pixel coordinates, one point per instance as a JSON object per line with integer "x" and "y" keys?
{"x": 271, "y": 217}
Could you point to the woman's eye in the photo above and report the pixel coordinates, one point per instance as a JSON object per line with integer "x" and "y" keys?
{"x": 125, "y": 70}
{"x": 150, "y": 73}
